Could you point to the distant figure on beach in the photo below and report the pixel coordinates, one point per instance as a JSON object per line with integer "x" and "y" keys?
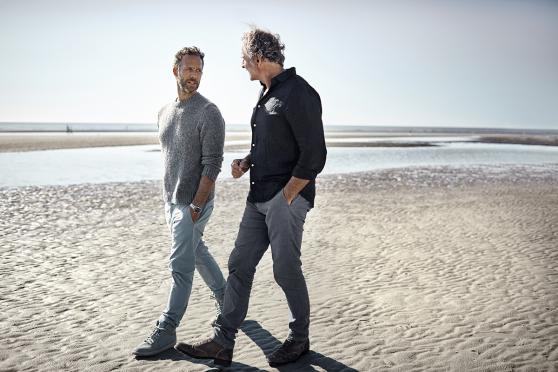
{"x": 192, "y": 136}
{"x": 287, "y": 153}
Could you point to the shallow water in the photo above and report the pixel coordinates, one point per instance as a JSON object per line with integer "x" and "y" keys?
{"x": 136, "y": 163}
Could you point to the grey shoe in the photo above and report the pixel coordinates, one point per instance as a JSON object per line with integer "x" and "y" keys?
{"x": 218, "y": 303}
{"x": 161, "y": 339}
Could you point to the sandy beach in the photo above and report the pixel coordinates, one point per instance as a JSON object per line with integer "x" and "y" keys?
{"x": 425, "y": 269}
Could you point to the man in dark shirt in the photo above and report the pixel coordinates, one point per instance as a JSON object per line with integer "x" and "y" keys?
{"x": 287, "y": 153}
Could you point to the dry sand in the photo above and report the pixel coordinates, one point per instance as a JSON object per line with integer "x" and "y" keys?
{"x": 435, "y": 269}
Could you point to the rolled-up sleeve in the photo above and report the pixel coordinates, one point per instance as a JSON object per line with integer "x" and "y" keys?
{"x": 304, "y": 114}
{"x": 212, "y": 138}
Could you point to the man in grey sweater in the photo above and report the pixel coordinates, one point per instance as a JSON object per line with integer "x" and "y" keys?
{"x": 192, "y": 135}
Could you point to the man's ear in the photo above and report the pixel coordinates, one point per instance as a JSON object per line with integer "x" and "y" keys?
{"x": 175, "y": 71}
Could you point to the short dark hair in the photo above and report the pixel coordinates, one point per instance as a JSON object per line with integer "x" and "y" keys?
{"x": 263, "y": 44}
{"x": 191, "y": 51}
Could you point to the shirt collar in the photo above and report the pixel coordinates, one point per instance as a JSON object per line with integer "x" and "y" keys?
{"x": 282, "y": 76}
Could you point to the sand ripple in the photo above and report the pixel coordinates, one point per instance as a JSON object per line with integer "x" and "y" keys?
{"x": 427, "y": 269}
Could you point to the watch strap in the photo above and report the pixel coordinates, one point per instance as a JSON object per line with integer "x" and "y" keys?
{"x": 195, "y": 208}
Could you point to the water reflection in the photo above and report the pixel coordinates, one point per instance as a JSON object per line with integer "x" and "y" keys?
{"x": 135, "y": 163}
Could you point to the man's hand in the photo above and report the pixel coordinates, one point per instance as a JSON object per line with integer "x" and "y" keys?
{"x": 195, "y": 216}
{"x": 289, "y": 198}
{"x": 293, "y": 187}
{"x": 239, "y": 167}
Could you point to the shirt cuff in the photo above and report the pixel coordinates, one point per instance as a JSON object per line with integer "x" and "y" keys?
{"x": 304, "y": 173}
{"x": 211, "y": 172}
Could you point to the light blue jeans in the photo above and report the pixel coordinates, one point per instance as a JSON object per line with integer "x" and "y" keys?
{"x": 188, "y": 252}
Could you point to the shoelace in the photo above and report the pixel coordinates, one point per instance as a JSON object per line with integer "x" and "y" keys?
{"x": 288, "y": 343}
{"x": 281, "y": 351}
{"x": 218, "y": 304}
{"x": 199, "y": 343}
{"x": 154, "y": 335}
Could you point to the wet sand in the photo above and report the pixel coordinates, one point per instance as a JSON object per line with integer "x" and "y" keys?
{"x": 12, "y": 142}
{"x": 424, "y": 269}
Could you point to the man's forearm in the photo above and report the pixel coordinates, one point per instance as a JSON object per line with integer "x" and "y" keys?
{"x": 294, "y": 187}
{"x": 248, "y": 159}
{"x": 204, "y": 188}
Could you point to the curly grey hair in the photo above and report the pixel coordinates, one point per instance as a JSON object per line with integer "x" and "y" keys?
{"x": 191, "y": 51}
{"x": 258, "y": 43}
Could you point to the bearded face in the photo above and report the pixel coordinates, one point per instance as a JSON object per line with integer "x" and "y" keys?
{"x": 189, "y": 72}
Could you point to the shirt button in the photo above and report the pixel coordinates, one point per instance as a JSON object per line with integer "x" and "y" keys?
{"x": 253, "y": 183}
{"x": 253, "y": 145}
{"x": 252, "y": 164}
{"x": 254, "y": 124}
{"x": 259, "y": 106}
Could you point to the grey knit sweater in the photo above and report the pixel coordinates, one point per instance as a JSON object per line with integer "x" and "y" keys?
{"x": 192, "y": 135}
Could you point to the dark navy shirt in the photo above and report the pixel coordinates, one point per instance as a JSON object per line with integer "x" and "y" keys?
{"x": 287, "y": 138}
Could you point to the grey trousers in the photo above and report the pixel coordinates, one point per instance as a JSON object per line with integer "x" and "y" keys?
{"x": 280, "y": 225}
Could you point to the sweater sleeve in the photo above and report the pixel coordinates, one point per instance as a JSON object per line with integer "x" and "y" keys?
{"x": 212, "y": 139}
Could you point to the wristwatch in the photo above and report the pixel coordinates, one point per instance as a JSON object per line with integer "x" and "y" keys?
{"x": 195, "y": 208}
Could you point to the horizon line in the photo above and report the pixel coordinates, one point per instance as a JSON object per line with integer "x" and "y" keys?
{"x": 380, "y": 126}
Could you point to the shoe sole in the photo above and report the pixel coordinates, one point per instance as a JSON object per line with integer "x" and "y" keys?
{"x": 221, "y": 362}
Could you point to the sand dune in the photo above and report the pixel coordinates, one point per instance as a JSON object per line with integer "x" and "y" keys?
{"x": 428, "y": 269}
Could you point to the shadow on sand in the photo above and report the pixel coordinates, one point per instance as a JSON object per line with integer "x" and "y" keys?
{"x": 267, "y": 343}
{"x": 175, "y": 355}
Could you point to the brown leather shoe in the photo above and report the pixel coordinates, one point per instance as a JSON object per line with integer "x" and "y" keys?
{"x": 207, "y": 349}
{"x": 289, "y": 352}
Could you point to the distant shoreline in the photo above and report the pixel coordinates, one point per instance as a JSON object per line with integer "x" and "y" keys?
{"x": 23, "y": 127}
{"x": 239, "y": 141}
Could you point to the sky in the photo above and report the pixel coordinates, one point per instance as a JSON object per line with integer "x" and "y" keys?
{"x": 469, "y": 63}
